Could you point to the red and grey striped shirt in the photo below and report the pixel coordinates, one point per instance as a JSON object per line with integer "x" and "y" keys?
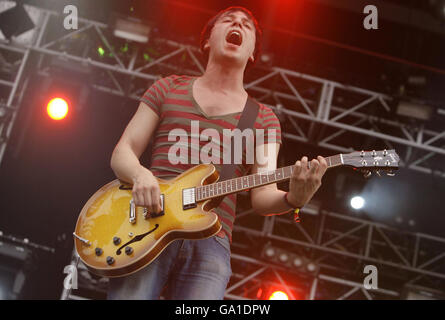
{"x": 171, "y": 98}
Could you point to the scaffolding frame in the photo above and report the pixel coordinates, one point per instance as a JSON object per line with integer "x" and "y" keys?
{"x": 279, "y": 88}
{"x": 341, "y": 245}
{"x": 291, "y": 95}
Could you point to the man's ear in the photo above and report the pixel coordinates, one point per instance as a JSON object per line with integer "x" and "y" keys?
{"x": 206, "y": 45}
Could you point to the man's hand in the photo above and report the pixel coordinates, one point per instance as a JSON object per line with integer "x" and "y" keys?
{"x": 304, "y": 181}
{"x": 146, "y": 192}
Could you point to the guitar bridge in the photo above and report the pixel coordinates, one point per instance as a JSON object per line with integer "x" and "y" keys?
{"x": 146, "y": 214}
{"x": 188, "y": 198}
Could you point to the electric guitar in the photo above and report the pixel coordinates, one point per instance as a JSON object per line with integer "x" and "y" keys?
{"x": 114, "y": 237}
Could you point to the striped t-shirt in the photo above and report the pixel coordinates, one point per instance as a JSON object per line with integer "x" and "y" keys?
{"x": 171, "y": 98}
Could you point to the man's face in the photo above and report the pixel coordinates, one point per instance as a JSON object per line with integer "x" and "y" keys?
{"x": 232, "y": 37}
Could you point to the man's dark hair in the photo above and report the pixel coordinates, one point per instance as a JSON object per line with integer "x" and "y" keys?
{"x": 205, "y": 34}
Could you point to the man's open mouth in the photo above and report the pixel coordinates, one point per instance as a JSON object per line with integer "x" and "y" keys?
{"x": 234, "y": 37}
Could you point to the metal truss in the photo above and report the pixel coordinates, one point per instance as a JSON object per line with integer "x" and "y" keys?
{"x": 254, "y": 276}
{"x": 13, "y": 81}
{"x": 313, "y": 110}
{"x": 341, "y": 245}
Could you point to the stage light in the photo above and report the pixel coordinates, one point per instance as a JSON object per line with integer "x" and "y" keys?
{"x": 269, "y": 252}
{"x": 15, "y": 21}
{"x": 357, "y": 202}
{"x": 147, "y": 57}
{"x": 57, "y": 108}
{"x": 289, "y": 259}
{"x": 298, "y": 262}
{"x": 259, "y": 293}
{"x": 278, "y": 295}
{"x": 414, "y": 110}
{"x": 101, "y": 51}
{"x": 131, "y": 29}
{"x": 416, "y": 80}
{"x": 311, "y": 267}
{"x": 124, "y": 49}
{"x": 267, "y": 58}
{"x": 283, "y": 257}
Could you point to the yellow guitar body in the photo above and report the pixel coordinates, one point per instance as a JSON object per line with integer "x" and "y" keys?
{"x": 104, "y": 225}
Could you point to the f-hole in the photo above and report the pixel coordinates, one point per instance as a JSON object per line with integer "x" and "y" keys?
{"x": 137, "y": 238}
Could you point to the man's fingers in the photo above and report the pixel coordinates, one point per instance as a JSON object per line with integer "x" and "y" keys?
{"x": 138, "y": 198}
{"x": 323, "y": 163}
{"x": 147, "y": 198}
{"x": 156, "y": 197}
{"x": 304, "y": 166}
{"x": 314, "y": 167}
{"x": 297, "y": 169}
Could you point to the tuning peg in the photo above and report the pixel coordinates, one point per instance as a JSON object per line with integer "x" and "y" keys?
{"x": 378, "y": 173}
{"x": 367, "y": 174}
{"x": 390, "y": 173}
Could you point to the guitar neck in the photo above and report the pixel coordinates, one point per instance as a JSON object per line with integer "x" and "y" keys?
{"x": 223, "y": 188}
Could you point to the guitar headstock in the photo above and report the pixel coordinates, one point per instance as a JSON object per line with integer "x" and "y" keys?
{"x": 368, "y": 161}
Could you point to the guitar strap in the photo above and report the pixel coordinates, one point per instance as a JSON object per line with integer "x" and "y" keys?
{"x": 246, "y": 120}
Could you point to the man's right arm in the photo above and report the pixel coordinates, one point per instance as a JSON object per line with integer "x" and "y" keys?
{"x": 125, "y": 158}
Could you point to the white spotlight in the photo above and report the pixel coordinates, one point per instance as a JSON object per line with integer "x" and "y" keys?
{"x": 311, "y": 267}
{"x": 298, "y": 262}
{"x": 270, "y": 252}
{"x": 283, "y": 257}
{"x": 357, "y": 202}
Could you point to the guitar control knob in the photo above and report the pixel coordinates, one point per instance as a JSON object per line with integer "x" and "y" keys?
{"x": 116, "y": 240}
{"x": 110, "y": 260}
{"x": 98, "y": 251}
{"x": 128, "y": 250}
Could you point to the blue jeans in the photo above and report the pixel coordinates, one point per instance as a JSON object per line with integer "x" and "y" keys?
{"x": 191, "y": 270}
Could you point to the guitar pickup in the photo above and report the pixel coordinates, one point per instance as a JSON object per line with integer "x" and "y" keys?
{"x": 188, "y": 198}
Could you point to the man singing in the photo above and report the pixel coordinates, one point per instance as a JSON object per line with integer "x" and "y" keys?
{"x": 200, "y": 269}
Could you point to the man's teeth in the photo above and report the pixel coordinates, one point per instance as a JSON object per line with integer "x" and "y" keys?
{"x": 234, "y": 37}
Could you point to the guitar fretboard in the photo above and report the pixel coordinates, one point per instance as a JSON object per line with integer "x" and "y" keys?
{"x": 235, "y": 185}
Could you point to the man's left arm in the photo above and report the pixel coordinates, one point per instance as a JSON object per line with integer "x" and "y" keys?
{"x": 268, "y": 200}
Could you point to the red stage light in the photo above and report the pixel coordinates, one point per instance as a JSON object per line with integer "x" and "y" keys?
{"x": 57, "y": 108}
{"x": 278, "y": 295}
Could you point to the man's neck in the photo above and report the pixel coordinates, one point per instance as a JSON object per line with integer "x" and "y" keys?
{"x": 223, "y": 78}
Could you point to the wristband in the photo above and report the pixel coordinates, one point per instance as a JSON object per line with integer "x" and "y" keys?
{"x": 296, "y": 210}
